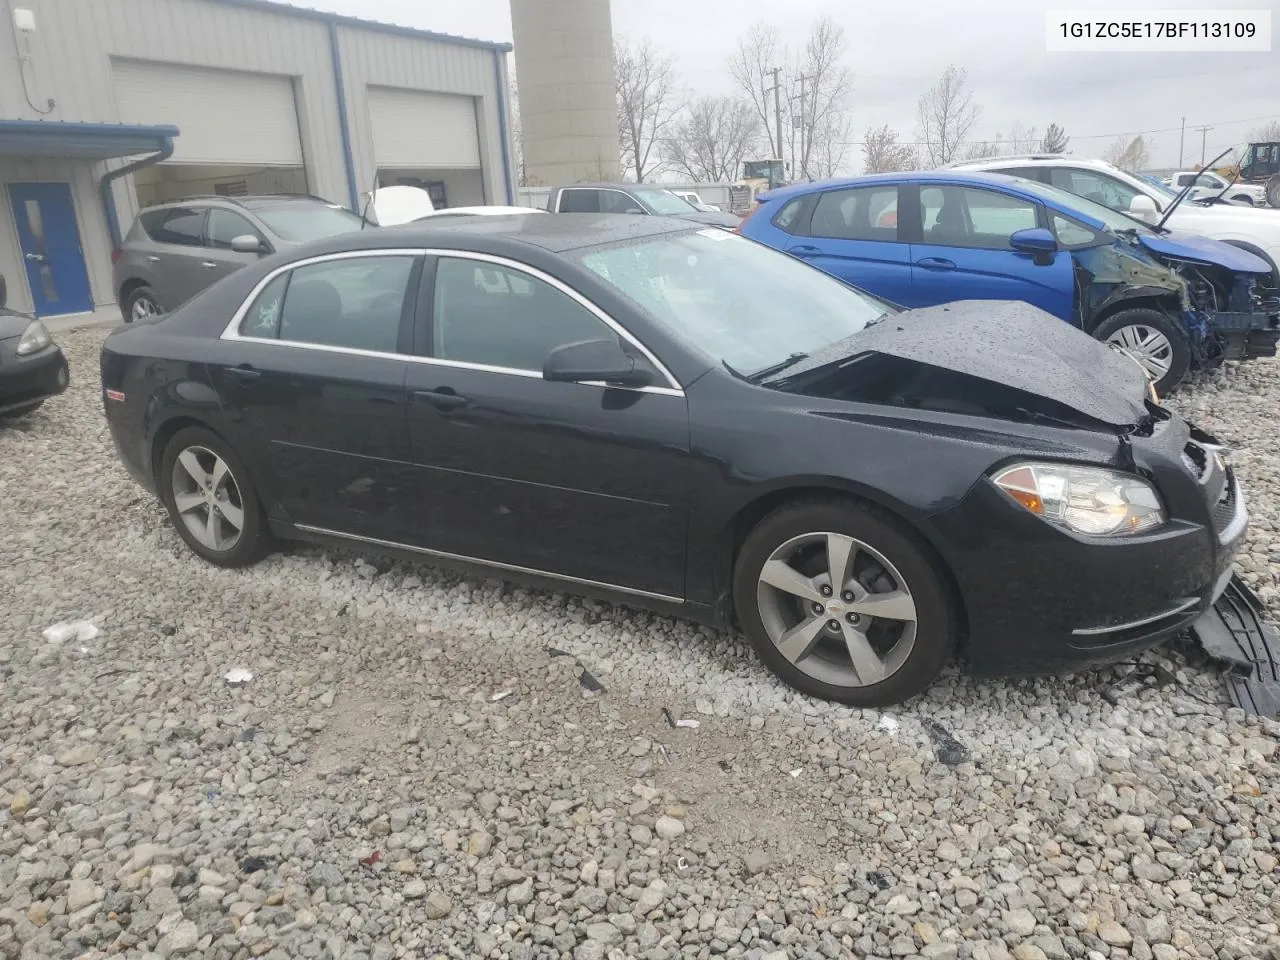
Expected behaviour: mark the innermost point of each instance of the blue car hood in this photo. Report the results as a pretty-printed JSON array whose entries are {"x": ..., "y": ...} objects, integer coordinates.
[{"x": 1190, "y": 246}]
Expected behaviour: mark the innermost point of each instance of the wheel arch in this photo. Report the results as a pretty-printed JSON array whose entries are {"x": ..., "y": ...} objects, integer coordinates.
[
  {"x": 168, "y": 430},
  {"x": 1167, "y": 303},
  {"x": 1261, "y": 254},
  {"x": 736, "y": 529}
]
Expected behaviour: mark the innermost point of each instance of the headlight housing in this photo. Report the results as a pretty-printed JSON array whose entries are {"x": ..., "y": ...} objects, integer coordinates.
[
  {"x": 1087, "y": 500},
  {"x": 35, "y": 337}
]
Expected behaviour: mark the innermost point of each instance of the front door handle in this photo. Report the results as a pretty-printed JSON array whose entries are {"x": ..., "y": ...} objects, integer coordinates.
[
  {"x": 805, "y": 250},
  {"x": 936, "y": 263},
  {"x": 208, "y": 264},
  {"x": 442, "y": 399},
  {"x": 244, "y": 372},
  {"x": 152, "y": 259}
]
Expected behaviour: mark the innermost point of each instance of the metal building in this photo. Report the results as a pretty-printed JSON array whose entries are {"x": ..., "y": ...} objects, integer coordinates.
[
  {"x": 568, "y": 110},
  {"x": 113, "y": 104}
]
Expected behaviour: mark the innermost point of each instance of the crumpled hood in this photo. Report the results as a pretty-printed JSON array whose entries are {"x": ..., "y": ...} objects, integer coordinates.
[
  {"x": 1012, "y": 344},
  {"x": 1192, "y": 246},
  {"x": 713, "y": 218}
]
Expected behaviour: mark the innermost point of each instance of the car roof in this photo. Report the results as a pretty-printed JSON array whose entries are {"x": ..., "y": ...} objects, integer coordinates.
[
  {"x": 1033, "y": 160},
  {"x": 248, "y": 202},
  {"x": 497, "y": 235},
  {"x": 617, "y": 185}
]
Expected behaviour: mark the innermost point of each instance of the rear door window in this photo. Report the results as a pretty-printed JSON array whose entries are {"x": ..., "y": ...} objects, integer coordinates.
[
  {"x": 579, "y": 201},
  {"x": 862, "y": 213},
  {"x": 181, "y": 226}
]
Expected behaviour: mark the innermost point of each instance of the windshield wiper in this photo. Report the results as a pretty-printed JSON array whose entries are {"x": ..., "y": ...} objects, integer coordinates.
[{"x": 762, "y": 375}]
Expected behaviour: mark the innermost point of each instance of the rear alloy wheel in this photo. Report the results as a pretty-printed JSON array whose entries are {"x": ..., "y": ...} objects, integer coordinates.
[
  {"x": 1154, "y": 340},
  {"x": 210, "y": 499},
  {"x": 841, "y": 603},
  {"x": 140, "y": 304}
]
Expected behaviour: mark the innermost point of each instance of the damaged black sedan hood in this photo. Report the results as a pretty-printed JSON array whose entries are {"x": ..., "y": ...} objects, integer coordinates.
[{"x": 988, "y": 357}]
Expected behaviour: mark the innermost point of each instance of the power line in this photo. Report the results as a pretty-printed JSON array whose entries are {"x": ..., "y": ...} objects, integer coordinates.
[{"x": 1087, "y": 136}]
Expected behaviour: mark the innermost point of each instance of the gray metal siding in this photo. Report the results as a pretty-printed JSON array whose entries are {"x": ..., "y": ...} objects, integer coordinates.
[{"x": 382, "y": 60}]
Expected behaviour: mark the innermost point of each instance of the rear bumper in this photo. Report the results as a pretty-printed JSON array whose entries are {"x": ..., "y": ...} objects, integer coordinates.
[{"x": 27, "y": 380}]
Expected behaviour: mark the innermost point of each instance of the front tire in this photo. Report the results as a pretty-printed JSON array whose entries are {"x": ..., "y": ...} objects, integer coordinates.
[
  {"x": 140, "y": 303},
  {"x": 1273, "y": 191},
  {"x": 876, "y": 633},
  {"x": 1154, "y": 339},
  {"x": 211, "y": 500}
]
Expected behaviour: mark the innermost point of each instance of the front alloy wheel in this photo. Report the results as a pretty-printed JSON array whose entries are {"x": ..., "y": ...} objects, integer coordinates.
[
  {"x": 1148, "y": 346},
  {"x": 842, "y": 602},
  {"x": 1154, "y": 339}
]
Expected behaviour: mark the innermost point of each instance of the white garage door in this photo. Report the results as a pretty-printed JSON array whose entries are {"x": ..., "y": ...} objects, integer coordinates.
[
  {"x": 412, "y": 129},
  {"x": 224, "y": 117}
]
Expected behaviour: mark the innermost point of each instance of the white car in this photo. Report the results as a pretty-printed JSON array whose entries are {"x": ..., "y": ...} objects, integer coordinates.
[
  {"x": 1256, "y": 229},
  {"x": 1209, "y": 184},
  {"x": 490, "y": 211},
  {"x": 691, "y": 197}
]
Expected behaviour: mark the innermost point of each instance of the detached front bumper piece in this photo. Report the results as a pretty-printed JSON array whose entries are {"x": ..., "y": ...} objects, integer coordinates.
[{"x": 1234, "y": 633}]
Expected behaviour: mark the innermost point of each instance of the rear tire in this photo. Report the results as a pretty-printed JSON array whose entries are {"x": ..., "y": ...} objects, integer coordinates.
[
  {"x": 140, "y": 303},
  {"x": 816, "y": 632},
  {"x": 1154, "y": 339},
  {"x": 211, "y": 500},
  {"x": 1273, "y": 191}
]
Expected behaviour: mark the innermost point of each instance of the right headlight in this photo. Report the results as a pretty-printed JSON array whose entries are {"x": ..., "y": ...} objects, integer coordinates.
[
  {"x": 1087, "y": 500},
  {"x": 35, "y": 337}
]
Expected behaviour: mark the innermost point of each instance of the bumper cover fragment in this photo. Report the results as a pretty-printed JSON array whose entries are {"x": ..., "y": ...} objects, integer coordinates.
[{"x": 1234, "y": 634}]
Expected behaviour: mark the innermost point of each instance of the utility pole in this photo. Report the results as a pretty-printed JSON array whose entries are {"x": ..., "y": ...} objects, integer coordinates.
[
  {"x": 777, "y": 109},
  {"x": 804, "y": 150},
  {"x": 1203, "y": 131},
  {"x": 1181, "y": 138}
]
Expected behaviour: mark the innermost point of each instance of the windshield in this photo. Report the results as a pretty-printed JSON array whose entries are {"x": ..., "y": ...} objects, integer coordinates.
[
  {"x": 734, "y": 300},
  {"x": 662, "y": 201},
  {"x": 299, "y": 222},
  {"x": 1073, "y": 201}
]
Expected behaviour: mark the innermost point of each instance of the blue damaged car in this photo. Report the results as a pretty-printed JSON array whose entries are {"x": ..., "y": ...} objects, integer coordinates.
[{"x": 1174, "y": 301}]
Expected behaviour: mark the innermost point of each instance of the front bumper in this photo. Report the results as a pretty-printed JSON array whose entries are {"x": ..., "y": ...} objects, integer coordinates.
[
  {"x": 29, "y": 379},
  {"x": 1040, "y": 601}
]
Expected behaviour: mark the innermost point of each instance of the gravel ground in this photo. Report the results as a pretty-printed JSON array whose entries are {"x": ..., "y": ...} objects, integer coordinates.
[{"x": 370, "y": 793}]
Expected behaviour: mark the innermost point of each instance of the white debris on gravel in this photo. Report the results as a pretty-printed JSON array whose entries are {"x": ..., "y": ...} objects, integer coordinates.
[{"x": 367, "y": 797}]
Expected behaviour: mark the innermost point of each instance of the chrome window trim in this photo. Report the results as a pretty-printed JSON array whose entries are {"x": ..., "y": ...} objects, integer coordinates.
[
  {"x": 494, "y": 564},
  {"x": 232, "y": 329}
]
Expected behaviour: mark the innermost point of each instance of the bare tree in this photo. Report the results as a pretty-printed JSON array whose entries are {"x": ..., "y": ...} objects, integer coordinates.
[
  {"x": 1023, "y": 139},
  {"x": 1055, "y": 139},
  {"x": 751, "y": 67},
  {"x": 712, "y": 138},
  {"x": 946, "y": 113},
  {"x": 647, "y": 103},
  {"x": 882, "y": 153},
  {"x": 1129, "y": 154},
  {"x": 821, "y": 112},
  {"x": 982, "y": 149},
  {"x": 1267, "y": 133}
]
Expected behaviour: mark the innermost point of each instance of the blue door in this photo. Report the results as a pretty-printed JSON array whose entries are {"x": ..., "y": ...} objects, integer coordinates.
[
  {"x": 964, "y": 252},
  {"x": 853, "y": 235},
  {"x": 49, "y": 241}
]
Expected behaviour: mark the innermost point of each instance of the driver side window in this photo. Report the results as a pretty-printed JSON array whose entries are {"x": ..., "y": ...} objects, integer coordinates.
[
  {"x": 493, "y": 315},
  {"x": 355, "y": 303}
]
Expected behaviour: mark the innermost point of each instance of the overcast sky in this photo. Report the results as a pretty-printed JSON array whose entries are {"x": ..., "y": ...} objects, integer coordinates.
[{"x": 897, "y": 49}]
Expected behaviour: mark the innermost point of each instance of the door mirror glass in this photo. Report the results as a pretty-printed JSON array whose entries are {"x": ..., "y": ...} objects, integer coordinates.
[
  {"x": 595, "y": 361},
  {"x": 1143, "y": 207},
  {"x": 1034, "y": 240},
  {"x": 246, "y": 243}
]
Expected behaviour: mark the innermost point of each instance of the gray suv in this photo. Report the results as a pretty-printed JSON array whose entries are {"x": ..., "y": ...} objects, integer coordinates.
[{"x": 174, "y": 250}]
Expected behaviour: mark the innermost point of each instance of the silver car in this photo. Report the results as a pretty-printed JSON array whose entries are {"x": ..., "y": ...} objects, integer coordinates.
[{"x": 174, "y": 250}]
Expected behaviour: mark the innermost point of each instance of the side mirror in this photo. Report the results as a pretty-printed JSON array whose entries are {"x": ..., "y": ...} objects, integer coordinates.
[
  {"x": 634, "y": 210},
  {"x": 1143, "y": 207},
  {"x": 4, "y": 291},
  {"x": 247, "y": 243},
  {"x": 1037, "y": 241},
  {"x": 590, "y": 361}
]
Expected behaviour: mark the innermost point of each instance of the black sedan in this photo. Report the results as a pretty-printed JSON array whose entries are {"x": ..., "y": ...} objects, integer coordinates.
[
  {"x": 32, "y": 368},
  {"x": 680, "y": 418}
]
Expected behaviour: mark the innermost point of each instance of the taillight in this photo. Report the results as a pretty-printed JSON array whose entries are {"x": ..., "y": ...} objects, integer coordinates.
[{"x": 115, "y": 254}]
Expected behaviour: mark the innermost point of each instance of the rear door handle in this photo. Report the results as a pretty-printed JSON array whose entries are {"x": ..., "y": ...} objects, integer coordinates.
[
  {"x": 151, "y": 258},
  {"x": 244, "y": 372},
  {"x": 442, "y": 399},
  {"x": 208, "y": 264},
  {"x": 936, "y": 263}
]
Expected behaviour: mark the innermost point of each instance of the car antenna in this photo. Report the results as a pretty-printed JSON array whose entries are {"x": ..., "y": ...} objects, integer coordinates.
[{"x": 1187, "y": 189}]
